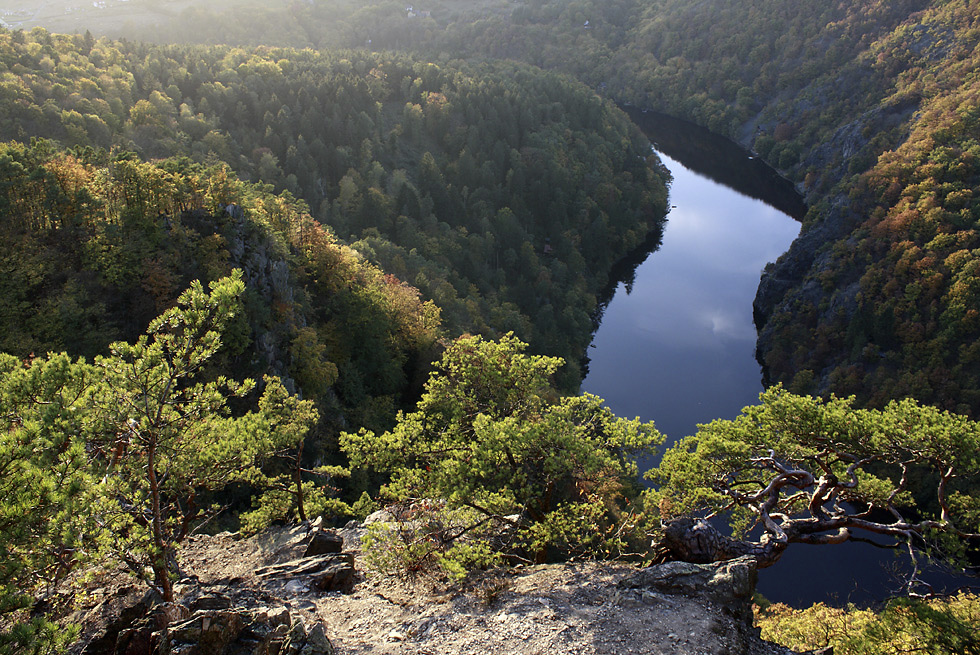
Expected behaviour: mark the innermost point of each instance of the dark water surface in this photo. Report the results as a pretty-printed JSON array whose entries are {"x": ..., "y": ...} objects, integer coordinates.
[{"x": 677, "y": 345}]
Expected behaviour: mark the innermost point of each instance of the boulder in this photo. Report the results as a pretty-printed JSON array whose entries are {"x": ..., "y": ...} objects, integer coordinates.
[
  {"x": 209, "y": 600},
  {"x": 207, "y": 631},
  {"x": 380, "y": 516},
  {"x": 304, "y": 566},
  {"x": 122, "y": 619},
  {"x": 323, "y": 573},
  {"x": 324, "y": 542},
  {"x": 729, "y": 584},
  {"x": 317, "y": 642},
  {"x": 238, "y": 631},
  {"x": 336, "y": 577}
]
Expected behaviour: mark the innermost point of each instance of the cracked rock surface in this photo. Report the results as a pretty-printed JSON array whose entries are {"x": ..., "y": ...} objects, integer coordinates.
[{"x": 585, "y": 608}]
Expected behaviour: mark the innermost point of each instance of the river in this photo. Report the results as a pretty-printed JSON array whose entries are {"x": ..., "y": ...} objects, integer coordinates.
[{"x": 677, "y": 345}]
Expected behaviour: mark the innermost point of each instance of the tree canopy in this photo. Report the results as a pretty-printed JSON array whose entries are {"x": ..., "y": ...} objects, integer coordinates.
[
  {"x": 116, "y": 460},
  {"x": 492, "y": 442},
  {"x": 396, "y": 195},
  {"x": 46, "y": 487},
  {"x": 169, "y": 437},
  {"x": 451, "y": 177},
  {"x": 809, "y": 471}
]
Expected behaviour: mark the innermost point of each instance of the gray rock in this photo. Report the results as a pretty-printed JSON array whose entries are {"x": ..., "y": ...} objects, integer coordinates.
[
  {"x": 317, "y": 642},
  {"x": 206, "y": 632},
  {"x": 296, "y": 587},
  {"x": 304, "y": 566},
  {"x": 336, "y": 577},
  {"x": 381, "y": 516},
  {"x": 729, "y": 584},
  {"x": 210, "y": 600},
  {"x": 237, "y": 631},
  {"x": 324, "y": 542}
]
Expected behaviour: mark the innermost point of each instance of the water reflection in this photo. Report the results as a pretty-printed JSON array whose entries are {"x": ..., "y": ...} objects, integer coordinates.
[
  {"x": 724, "y": 162},
  {"x": 680, "y": 347}
]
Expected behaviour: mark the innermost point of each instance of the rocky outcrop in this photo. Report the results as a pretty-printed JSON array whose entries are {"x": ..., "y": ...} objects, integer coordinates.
[
  {"x": 324, "y": 542},
  {"x": 324, "y": 573},
  {"x": 172, "y": 629},
  {"x": 228, "y": 615},
  {"x": 729, "y": 584},
  {"x": 266, "y": 273},
  {"x": 258, "y": 596},
  {"x": 803, "y": 257},
  {"x": 264, "y": 631}
]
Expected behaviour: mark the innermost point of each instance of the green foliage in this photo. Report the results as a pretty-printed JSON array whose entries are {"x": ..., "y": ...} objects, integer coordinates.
[
  {"x": 790, "y": 464},
  {"x": 119, "y": 457},
  {"x": 450, "y": 177},
  {"x": 314, "y": 374},
  {"x": 279, "y": 503},
  {"x": 45, "y": 491},
  {"x": 324, "y": 314},
  {"x": 116, "y": 458},
  {"x": 430, "y": 539},
  {"x": 290, "y": 492},
  {"x": 905, "y": 625},
  {"x": 491, "y": 437},
  {"x": 36, "y": 637},
  {"x": 865, "y": 104},
  {"x": 171, "y": 438},
  {"x": 364, "y": 506}
]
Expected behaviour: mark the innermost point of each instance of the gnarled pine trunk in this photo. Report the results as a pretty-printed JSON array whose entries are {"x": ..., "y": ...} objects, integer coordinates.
[{"x": 697, "y": 541}]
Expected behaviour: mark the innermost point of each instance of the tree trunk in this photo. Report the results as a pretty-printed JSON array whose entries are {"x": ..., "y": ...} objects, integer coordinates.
[
  {"x": 298, "y": 479},
  {"x": 698, "y": 542},
  {"x": 158, "y": 559}
]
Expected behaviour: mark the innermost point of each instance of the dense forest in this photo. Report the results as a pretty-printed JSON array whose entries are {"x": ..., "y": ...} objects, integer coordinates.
[
  {"x": 868, "y": 107},
  {"x": 95, "y": 246},
  {"x": 865, "y": 105},
  {"x": 502, "y": 193},
  {"x": 370, "y": 182}
]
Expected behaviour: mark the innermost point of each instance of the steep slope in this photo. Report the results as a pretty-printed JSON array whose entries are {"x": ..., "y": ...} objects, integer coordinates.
[
  {"x": 870, "y": 108},
  {"x": 95, "y": 246}
]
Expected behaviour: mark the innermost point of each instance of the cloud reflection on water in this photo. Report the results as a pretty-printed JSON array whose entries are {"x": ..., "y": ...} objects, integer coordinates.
[{"x": 680, "y": 348}]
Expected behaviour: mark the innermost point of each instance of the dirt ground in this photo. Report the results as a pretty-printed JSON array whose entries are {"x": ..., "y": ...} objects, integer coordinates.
[{"x": 549, "y": 609}]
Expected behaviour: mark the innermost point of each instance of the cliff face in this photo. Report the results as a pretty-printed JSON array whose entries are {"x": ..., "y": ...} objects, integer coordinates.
[{"x": 794, "y": 279}]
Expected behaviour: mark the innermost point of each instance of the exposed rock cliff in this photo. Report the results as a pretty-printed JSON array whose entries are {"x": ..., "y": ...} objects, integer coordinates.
[{"x": 266, "y": 595}]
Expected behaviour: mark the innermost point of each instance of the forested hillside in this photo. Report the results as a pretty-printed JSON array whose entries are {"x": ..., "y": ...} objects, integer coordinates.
[
  {"x": 866, "y": 105},
  {"x": 502, "y": 193},
  {"x": 870, "y": 107},
  {"x": 94, "y": 246},
  {"x": 378, "y": 203}
]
